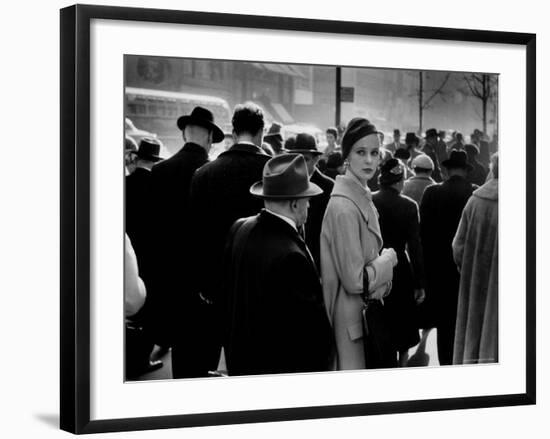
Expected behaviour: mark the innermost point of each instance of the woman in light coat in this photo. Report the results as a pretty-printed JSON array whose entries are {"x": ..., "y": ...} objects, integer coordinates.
[{"x": 351, "y": 263}]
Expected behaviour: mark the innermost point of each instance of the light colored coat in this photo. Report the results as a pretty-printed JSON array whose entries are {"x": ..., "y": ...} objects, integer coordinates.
[
  {"x": 350, "y": 239},
  {"x": 475, "y": 250}
]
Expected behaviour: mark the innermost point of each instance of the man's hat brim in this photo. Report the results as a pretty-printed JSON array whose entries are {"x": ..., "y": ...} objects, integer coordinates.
[
  {"x": 152, "y": 158},
  {"x": 301, "y": 151},
  {"x": 218, "y": 134},
  {"x": 257, "y": 189}
]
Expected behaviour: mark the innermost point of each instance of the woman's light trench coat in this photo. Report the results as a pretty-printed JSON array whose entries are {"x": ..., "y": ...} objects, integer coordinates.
[{"x": 350, "y": 239}]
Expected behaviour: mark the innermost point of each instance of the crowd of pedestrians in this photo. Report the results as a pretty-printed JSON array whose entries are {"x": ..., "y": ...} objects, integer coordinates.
[{"x": 268, "y": 254}]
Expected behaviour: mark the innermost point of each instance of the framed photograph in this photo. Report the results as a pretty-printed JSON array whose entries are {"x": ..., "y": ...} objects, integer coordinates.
[{"x": 141, "y": 77}]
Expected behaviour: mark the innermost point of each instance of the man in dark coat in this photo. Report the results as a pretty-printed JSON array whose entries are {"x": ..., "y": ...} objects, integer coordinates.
[
  {"x": 399, "y": 224},
  {"x": 440, "y": 212},
  {"x": 176, "y": 301},
  {"x": 306, "y": 145},
  {"x": 219, "y": 196},
  {"x": 275, "y": 314},
  {"x": 478, "y": 139},
  {"x": 432, "y": 149},
  {"x": 138, "y": 201},
  {"x": 478, "y": 174},
  {"x": 139, "y": 334}
]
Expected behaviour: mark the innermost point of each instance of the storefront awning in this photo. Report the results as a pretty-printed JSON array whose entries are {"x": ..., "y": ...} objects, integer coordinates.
[{"x": 283, "y": 69}]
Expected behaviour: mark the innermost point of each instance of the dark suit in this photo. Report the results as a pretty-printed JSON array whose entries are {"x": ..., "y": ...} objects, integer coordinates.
[
  {"x": 220, "y": 194},
  {"x": 440, "y": 212},
  {"x": 399, "y": 224},
  {"x": 317, "y": 207},
  {"x": 275, "y": 313},
  {"x": 138, "y": 227},
  {"x": 175, "y": 299}
]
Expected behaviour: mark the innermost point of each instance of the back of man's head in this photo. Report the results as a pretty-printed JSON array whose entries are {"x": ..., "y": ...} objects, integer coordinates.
[
  {"x": 199, "y": 135},
  {"x": 248, "y": 118}
]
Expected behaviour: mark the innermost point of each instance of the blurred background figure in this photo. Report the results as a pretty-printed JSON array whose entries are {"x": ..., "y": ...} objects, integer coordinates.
[
  {"x": 478, "y": 174},
  {"x": 396, "y": 144},
  {"x": 475, "y": 251},
  {"x": 274, "y": 138},
  {"x": 130, "y": 147},
  {"x": 335, "y": 165},
  {"x": 436, "y": 150},
  {"x": 479, "y": 139},
  {"x": 422, "y": 166}
]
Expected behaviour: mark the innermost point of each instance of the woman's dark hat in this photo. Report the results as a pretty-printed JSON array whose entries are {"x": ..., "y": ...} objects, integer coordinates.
[
  {"x": 391, "y": 172},
  {"x": 411, "y": 138},
  {"x": 357, "y": 128},
  {"x": 149, "y": 149},
  {"x": 285, "y": 177},
  {"x": 402, "y": 153},
  {"x": 457, "y": 159},
  {"x": 303, "y": 143},
  {"x": 204, "y": 118}
]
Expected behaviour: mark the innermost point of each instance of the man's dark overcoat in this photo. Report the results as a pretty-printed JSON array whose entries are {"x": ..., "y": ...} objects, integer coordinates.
[
  {"x": 220, "y": 194},
  {"x": 317, "y": 207},
  {"x": 275, "y": 313},
  {"x": 138, "y": 224},
  {"x": 173, "y": 294},
  {"x": 440, "y": 212},
  {"x": 399, "y": 224}
]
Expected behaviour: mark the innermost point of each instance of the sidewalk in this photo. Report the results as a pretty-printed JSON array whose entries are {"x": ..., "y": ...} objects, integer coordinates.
[{"x": 424, "y": 354}]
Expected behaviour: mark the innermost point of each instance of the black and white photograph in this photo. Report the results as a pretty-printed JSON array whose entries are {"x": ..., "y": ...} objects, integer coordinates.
[{"x": 296, "y": 218}]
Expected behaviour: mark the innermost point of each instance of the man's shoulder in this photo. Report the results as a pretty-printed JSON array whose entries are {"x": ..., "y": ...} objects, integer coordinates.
[{"x": 322, "y": 180}]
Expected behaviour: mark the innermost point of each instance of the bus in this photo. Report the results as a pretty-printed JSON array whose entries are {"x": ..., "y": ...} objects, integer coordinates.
[{"x": 157, "y": 111}]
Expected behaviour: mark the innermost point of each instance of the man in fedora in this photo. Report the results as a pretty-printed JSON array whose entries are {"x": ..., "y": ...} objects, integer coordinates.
[
  {"x": 138, "y": 228},
  {"x": 219, "y": 196},
  {"x": 174, "y": 294},
  {"x": 138, "y": 200},
  {"x": 274, "y": 138},
  {"x": 275, "y": 314},
  {"x": 436, "y": 145},
  {"x": 306, "y": 145},
  {"x": 396, "y": 144},
  {"x": 440, "y": 211}
]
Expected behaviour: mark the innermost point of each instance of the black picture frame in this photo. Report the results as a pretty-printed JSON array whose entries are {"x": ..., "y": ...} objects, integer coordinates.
[{"x": 75, "y": 217}]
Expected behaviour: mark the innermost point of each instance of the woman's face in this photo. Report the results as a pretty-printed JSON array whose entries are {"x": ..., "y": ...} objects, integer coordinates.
[{"x": 364, "y": 157}]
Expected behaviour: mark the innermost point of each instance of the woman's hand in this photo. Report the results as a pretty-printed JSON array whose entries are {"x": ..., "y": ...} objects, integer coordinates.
[
  {"x": 390, "y": 255},
  {"x": 381, "y": 292}
]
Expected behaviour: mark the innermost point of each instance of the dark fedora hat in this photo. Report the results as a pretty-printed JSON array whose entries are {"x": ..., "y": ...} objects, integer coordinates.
[
  {"x": 149, "y": 149},
  {"x": 402, "y": 153},
  {"x": 432, "y": 132},
  {"x": 204, "y": 118},
  {"x": 275, "y": 131},
  {"x": 303, "y": 142},
  {"x": 285, "y": 177},
  {"x": 457, "y": 159},
  {"x": 411, "y": 138}
]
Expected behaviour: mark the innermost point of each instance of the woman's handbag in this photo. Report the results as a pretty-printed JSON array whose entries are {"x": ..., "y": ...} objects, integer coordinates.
[{"x": 377, "y": 340}]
